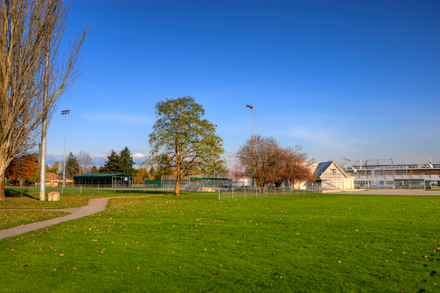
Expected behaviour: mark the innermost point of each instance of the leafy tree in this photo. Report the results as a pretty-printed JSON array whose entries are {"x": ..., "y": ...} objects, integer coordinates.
[
  {"x": 291, "y": 166},
  {"x": 163, "y": 167},
  {"x": 152, "y": 172},
  {"x": 55, "y": 168},
  {"x": 30, "y": 35},
  {"x": 266, "y": 162},
  {"x": 143, "y": 174},
  {"x": 215, "y": 168},
  {"x": 181, "y": 135},
  {"x": 94, "y": 170},
  {"x": 23, "y": 168},
  {"x": 112, "y": 164},
  {"x": 72, "y": 166},
  {"x": 126, "y": 161}
]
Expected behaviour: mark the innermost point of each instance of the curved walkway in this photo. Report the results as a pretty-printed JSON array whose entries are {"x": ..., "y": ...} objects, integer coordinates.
[{"x": 94, "y": 206}]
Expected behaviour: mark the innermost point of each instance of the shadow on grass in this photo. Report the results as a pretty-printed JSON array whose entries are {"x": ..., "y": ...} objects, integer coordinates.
[{"x": 15, "y": 193}]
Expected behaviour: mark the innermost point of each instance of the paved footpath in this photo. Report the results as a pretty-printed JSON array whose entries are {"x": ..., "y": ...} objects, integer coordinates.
[{"x": 95, "y": 205}]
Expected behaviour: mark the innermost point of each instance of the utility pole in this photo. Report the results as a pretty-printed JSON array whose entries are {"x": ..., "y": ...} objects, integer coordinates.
[{"x": 65, "y": 112}]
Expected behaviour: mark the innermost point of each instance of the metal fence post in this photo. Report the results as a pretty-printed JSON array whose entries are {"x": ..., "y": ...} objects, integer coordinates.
[
  {"x": 245, "y": 193},
  {"x": 232, "y": 193},
  {"x": 275, "y": 191},
  {"x": 266, "y": 189},
  {"x": 62, "y": 189},
  {"x": 219, "y": 191},
  {"x": 81, "y": 189}
]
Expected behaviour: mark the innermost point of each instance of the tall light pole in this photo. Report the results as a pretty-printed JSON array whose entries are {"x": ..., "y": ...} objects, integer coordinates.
[
  {"x": 252, "y": 117},
  {"x": 65, "y": 112},
  {"x": 42, "y": 150}
]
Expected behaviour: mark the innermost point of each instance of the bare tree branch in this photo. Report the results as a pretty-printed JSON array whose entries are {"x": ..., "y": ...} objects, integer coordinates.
[{"x": 29, "y": 31}]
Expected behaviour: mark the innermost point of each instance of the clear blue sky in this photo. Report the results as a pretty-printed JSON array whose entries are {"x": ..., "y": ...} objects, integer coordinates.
[{"x": 355, "y": 79}]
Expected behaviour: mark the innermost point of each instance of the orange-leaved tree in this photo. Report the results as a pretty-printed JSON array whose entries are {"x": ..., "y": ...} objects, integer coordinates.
[{"x": 23, "y": 168}]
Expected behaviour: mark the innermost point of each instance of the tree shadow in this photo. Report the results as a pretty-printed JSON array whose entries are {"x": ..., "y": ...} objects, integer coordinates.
[{"x": 14, "y": 194}]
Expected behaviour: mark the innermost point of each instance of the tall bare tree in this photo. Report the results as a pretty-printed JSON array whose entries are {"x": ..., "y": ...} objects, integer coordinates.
[
  {"x": 30, "y": 34},
  {"x": 85, "y": 161},
  {"x": 258, "y": 156}
]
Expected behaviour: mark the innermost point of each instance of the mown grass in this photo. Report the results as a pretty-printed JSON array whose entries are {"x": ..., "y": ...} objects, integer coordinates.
[
  {"x": 73, "y": 197},
  {"x": 10, "y": 219},
  {"x": 291, "y": 243}
]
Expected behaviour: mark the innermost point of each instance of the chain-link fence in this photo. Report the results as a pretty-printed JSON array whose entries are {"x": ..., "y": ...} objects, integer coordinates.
[
  {"x": 233, "y": 193},
  {"x": 223, "y": 193}
]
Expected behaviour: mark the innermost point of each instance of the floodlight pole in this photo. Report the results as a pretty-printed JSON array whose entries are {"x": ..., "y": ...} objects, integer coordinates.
[
  {"x": 252, "y": 117},
  {"x": 65, "y": 112},
  {"x": 252, "y": 125},
  {"x": 42, "y": 154}
]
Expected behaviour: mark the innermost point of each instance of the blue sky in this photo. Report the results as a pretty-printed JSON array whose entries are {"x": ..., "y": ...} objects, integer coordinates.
[{"x": 355, "y": 79}]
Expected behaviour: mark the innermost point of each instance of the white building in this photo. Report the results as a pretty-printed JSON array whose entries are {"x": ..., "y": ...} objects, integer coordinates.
[
  {"x": 394, "y": 176},
  {"x": 329, "y": 176}
]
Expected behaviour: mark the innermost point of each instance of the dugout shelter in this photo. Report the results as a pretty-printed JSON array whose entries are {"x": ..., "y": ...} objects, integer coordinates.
[{"x": 112, "y": 180}]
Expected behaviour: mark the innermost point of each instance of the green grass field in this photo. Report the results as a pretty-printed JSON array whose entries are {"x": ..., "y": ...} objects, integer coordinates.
[
  {"x": 72, "y": 197},
  {"x": 10, "y": 219},
  {"x": 291, "y": 243}
]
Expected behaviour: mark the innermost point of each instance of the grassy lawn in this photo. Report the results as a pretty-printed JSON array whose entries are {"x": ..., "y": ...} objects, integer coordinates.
[
  {"x": 72, "y": 197},
  {"x": 291, "y": 243},
  {"x": 10, "y": 219}
]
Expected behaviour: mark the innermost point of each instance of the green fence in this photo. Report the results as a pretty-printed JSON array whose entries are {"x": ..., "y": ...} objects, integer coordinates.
[{"x": 153, "y": 183}]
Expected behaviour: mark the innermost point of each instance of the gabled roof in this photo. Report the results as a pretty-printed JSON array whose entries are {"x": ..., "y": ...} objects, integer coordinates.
[
  {"x": 53, "y": 176},
  {"x": 321, "y": 168}
]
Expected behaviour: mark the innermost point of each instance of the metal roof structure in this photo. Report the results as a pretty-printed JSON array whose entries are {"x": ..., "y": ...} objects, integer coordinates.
[
  {"x": 207, "y": 178},
  {"x": 321, "y": 168},
  {"x": 101, "y": 175}
]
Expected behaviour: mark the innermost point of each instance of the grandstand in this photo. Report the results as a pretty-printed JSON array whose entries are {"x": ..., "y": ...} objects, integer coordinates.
[{"x": 375, "y": 174}]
